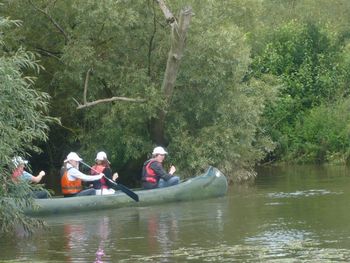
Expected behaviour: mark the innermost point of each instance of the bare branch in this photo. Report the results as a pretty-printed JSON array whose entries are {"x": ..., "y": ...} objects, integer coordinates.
[
  {"x": 170, "y": 18},
  {"x": 92, "y": 103},
  {"x": 86, "y": 84},
  {"x": 53, "y": 21}
]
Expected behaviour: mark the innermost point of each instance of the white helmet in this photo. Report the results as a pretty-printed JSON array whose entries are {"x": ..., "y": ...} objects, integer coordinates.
[
  {"x": 18, "y": 160},
  {"x": 72, "y": 156},
  {"x": 159, "y": 150},
  {"x": 101, "y": 156}
]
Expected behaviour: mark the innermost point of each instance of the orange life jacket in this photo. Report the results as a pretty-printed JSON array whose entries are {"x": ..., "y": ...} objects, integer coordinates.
[{"x": 70, "y": 187}]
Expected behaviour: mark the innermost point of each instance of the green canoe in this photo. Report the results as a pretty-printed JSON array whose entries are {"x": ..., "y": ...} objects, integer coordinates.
[{"x": 210, "y": 184}]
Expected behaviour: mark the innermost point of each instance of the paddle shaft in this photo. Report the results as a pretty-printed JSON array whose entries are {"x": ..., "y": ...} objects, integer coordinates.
[{"x": 121, "y": 187}]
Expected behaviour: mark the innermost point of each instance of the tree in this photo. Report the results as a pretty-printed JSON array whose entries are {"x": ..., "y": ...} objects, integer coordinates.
[
  {"x": 120, "y": 49},
  {"x": 23, "y": 120}
]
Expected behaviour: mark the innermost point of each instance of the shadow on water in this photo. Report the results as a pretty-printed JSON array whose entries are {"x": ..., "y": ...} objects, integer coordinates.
[{"x": 291, "y": 214}]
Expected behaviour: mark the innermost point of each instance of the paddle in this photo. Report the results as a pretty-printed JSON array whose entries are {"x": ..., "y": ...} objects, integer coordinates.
[{"x": 120, "y": 187}]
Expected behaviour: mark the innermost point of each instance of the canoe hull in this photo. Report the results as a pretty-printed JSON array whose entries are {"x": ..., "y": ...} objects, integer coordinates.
[{"x": 208, "y": 185}]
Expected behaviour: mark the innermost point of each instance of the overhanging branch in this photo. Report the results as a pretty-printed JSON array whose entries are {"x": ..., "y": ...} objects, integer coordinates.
[{"x": 92, "y": 103}]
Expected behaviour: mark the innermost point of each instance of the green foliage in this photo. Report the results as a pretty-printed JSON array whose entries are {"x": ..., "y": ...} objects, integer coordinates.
[
  {"x": 323, "y": 135},
  {"x": 307, "y": 62},
  {"x": 238, "y": 53},
  {"x": 23, "y": 120},
  {"x": 214, "y": 115}
]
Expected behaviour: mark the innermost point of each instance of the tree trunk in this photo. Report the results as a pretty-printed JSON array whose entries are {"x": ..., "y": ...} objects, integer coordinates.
[{"x": 178, "y": 41}]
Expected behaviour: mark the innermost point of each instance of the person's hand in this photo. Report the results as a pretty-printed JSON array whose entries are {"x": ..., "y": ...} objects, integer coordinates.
[
  {"x": 172, "y": 170},
  {"x": 115, "y": 176},
  {"x": 42, "y": 173}
]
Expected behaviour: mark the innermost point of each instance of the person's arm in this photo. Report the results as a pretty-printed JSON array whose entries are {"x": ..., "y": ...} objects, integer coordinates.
[
  {"x": 108, "y": 173},
  {"x": 31, "y": 178},
  {"x": 159, "y": 170},
  {"x": 88, "y": 178},
  {"x": 37, "y": 179}
]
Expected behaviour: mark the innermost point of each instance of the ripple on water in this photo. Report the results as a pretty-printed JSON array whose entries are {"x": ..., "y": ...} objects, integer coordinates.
[
  {"x": 274, "y": 245},
  {"x": 296, "y": 251},
  {"x": 302, "y": 194}
]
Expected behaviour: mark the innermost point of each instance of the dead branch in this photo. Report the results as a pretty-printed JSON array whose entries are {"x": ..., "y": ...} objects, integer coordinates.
[
  {"x": 86, "y": 84},
  {"x": 92, "y": 103},
  {"x": 170, "y": 18}
]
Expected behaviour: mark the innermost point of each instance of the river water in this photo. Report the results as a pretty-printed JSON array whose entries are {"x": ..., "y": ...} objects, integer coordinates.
[{"x": 290, "y": 214}]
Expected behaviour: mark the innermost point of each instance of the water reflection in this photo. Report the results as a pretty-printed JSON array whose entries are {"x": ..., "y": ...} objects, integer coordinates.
[
  {"x": 78, "y": 238},
  {"x": 173, "y": 232},
  {"x": 162, "y": 232}
]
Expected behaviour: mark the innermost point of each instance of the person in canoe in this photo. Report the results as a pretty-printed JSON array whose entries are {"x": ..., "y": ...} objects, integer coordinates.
[
  {"x": 102, "y": 165},
  {"x": 71, "y": 181},
  {"x": 20, "y": 174},
  {"x": 153, "y": 173}
]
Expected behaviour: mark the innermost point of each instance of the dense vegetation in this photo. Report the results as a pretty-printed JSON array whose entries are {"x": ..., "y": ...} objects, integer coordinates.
[
  {"x": 23, "y": 119},
  {"x": 259, "y": 81}
]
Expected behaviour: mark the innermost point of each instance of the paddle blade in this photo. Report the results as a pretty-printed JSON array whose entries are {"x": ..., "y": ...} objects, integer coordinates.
[{"x": 127, "y": 191}]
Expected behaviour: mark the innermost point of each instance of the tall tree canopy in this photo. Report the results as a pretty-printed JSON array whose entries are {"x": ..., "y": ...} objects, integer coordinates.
[{"x": 119, "y": 49}]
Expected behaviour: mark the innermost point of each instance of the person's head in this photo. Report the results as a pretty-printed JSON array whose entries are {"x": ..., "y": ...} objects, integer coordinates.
[
  {"x": 101, "y": 158},
  {"x": 73, "y": 159},
  {"x": 19, "y": 162},
  {"x": 159, "y": 153}
]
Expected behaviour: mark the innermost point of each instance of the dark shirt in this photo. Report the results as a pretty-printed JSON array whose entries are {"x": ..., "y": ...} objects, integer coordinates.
[
  {"x": 157, "y": 167},
  {"x": 108, "y": 173}
]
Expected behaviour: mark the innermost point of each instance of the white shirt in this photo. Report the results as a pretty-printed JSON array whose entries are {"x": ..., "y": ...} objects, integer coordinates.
[{"x": 74, "y": 173}]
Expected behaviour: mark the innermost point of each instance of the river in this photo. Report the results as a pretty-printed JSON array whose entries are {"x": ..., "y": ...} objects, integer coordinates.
[{"x": 290, "y": 214}]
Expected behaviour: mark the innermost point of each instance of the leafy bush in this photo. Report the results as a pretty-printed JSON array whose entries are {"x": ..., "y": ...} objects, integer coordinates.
[
  {"x": 23, "y": 120},
  {"x": 323, "y": 135},
  {"x": 306, "y": 60}
]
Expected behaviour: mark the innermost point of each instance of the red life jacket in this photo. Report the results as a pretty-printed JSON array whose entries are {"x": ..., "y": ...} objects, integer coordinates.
[
  {"x": 17, "y": 173},
  {"x": 97, "y": 169},
  {"x": 150, "y": 175}
]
